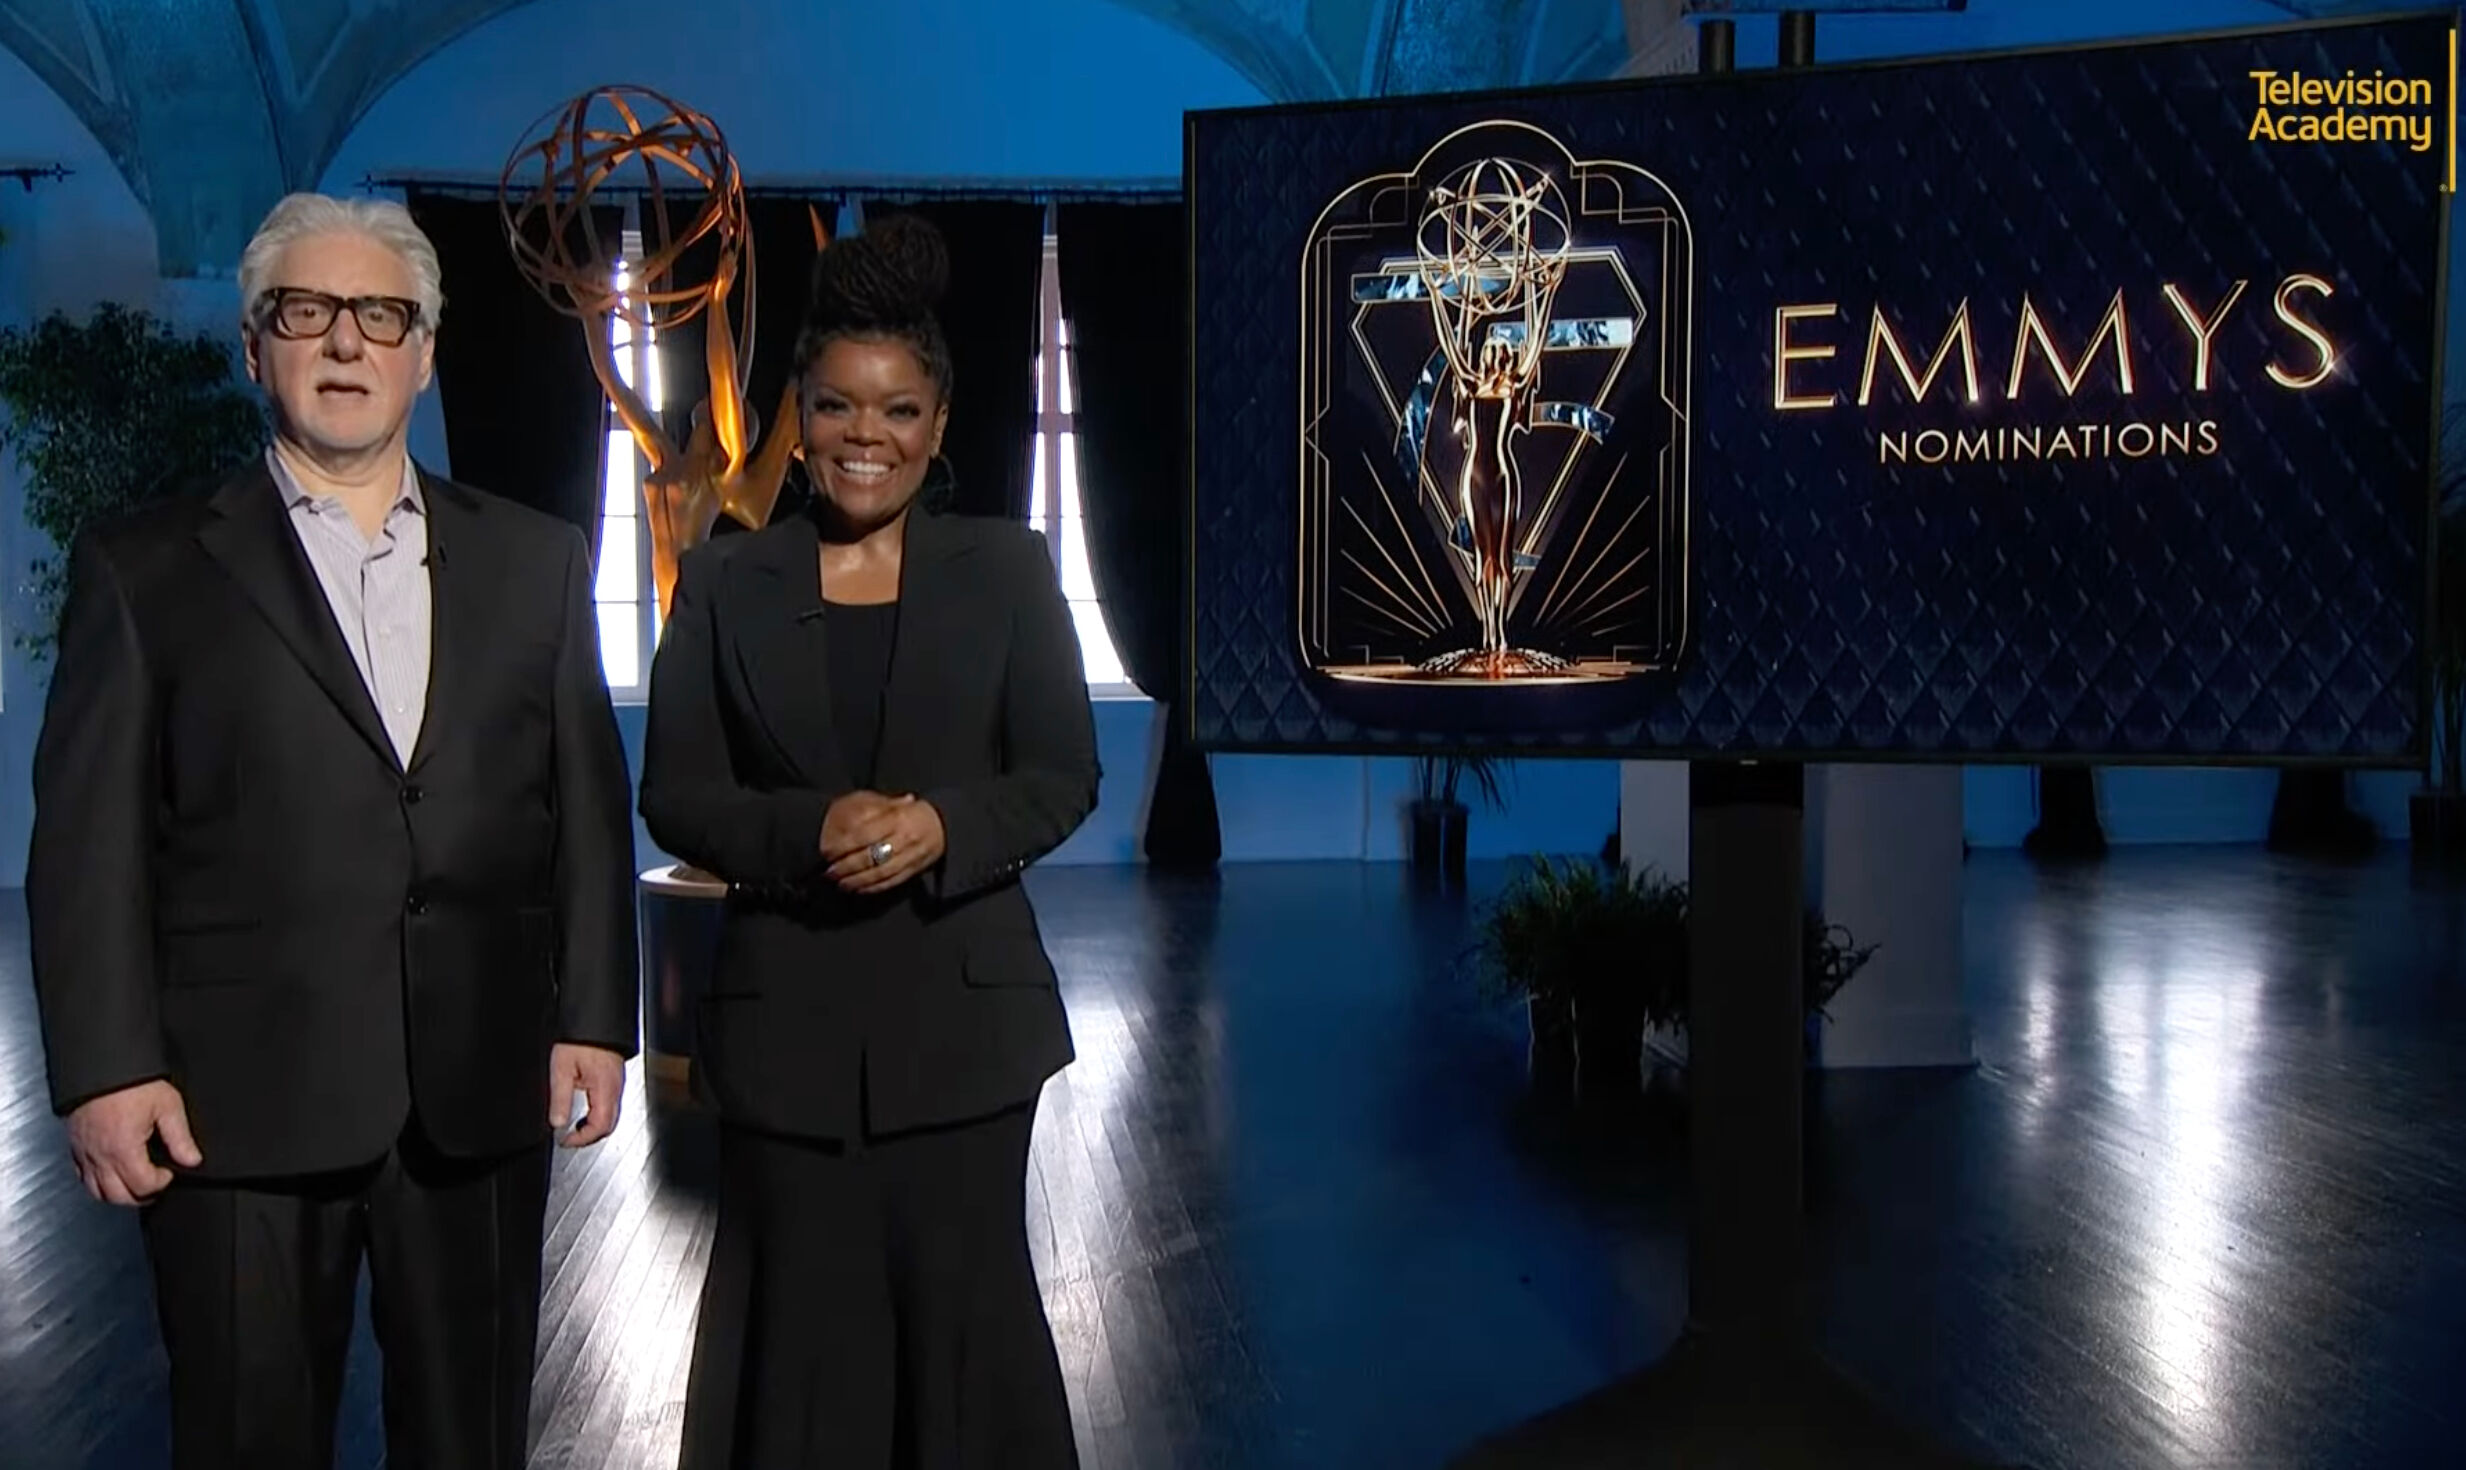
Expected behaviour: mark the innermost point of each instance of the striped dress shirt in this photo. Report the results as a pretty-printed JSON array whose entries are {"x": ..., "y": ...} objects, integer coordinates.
[{"x": 377, "y": 588}]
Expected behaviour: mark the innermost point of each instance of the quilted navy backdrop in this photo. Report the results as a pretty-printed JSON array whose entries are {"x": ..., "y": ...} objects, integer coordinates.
[{"x": 2259, "y": 603}]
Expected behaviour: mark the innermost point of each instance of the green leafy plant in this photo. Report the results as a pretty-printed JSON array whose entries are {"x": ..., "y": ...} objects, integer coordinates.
[
  {"x": 1566, "y": 929},
  {"x": 1439, "y": 777},
  {"x": 105, "y": 414}
]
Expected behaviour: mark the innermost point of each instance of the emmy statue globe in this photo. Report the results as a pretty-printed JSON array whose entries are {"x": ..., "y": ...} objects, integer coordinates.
[{"x": 604, "y": 139}]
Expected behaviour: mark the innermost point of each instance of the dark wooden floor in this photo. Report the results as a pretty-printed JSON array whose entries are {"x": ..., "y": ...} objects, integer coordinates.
[{"x": 2203, "y": 1204}]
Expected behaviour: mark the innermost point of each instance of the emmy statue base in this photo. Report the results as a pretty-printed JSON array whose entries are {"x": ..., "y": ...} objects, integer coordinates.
[{"x": 680, "y": 910}]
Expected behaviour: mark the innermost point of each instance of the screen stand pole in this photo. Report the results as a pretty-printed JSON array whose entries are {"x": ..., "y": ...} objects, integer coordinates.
[
  {"x": 1746, "y": 1054},
  {"x": 1743, "y": 1386}
]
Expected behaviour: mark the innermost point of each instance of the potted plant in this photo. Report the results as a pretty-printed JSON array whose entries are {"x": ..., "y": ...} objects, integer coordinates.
[
  {"x": 1599, "y": 955},
  {"x": 1833, "y": 957},
  {"x": 1439, "y": 816},
  {"x": 2436, "y": 814},
  {"x": 1594, "y": 953},
  {"x": 1830, "y": 958},
  {"x": 107, "y": 413}
]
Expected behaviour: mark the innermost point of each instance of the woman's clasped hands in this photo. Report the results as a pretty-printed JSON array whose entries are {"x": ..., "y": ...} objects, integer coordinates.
[{"x": 874, "y": 842}]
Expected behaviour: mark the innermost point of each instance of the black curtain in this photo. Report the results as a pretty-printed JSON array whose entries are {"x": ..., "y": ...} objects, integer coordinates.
[
  {"x": 2310, "y": 816},
  {"x": 1124, "y": 279},
  {"x": 997, "y": 259},
  {"x": 781, "y": 229},
  {"x": 524, "y": 414},
  {"x": 2068, "y": 821}
]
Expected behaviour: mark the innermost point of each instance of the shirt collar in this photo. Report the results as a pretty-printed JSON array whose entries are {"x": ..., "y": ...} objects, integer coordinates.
[{"x": 410, "y": 498}]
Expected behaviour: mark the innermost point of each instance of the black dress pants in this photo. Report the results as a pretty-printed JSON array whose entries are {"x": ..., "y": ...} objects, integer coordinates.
[
  {"x": 254, "y": 1284},
  {"x": 873, "y": 1306}
]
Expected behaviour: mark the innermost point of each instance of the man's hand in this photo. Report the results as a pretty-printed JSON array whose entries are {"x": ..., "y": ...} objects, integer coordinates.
[
  {"x": 912, "y": 828},
  {"x": 595, "y": 1072},
  {"x": 108, "y": 1136}
]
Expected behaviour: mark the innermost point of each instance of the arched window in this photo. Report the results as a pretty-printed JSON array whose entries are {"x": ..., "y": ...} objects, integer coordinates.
[
  {"x": 629, "y": 610},
  {"x": 628, "y": 607},
  {"x": 1053, "y": 501}
]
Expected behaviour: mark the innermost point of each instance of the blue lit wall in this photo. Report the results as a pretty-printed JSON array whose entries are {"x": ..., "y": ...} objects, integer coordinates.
[{"x": 1065, "y": 89}]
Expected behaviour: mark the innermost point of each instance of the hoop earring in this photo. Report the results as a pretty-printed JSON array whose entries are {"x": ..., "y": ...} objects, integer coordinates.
[{"x": 941, "y": 484}]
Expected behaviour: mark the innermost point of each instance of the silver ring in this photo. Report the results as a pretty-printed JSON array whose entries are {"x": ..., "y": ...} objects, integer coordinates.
[{"x": 880, "y": 852}]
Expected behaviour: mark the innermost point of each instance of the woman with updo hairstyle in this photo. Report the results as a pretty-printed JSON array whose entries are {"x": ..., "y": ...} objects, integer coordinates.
[{"x": 868, "y": 719}]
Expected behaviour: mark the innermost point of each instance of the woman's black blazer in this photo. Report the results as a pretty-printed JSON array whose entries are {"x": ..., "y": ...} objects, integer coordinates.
[{"x": 835, "y": 1017}]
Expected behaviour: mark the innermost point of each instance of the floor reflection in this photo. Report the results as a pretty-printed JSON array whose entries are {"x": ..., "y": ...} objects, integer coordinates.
[{"x": 2202, "y": 1203}]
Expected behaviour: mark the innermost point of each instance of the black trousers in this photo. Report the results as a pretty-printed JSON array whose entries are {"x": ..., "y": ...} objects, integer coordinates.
[
  {"x": 254, "y": 1284},
  {"x": 873, "y": 1306}
]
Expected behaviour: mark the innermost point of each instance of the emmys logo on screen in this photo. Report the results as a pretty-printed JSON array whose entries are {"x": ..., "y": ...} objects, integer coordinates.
[
  {"x": 1493, "y": 451},
  {"x": 2293, "y": 108},
  {"x": 2049, "y": 404}
]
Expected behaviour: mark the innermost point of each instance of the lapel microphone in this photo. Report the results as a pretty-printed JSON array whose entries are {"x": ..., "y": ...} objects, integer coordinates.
[{"x": 810, "y": 615}]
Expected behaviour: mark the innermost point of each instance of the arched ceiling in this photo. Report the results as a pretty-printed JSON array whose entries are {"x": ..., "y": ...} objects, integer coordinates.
[
  {"x": 2331, "y": 9},
  {"x": 214, "y": 108},
  {"x": 1306, "y": 50}
]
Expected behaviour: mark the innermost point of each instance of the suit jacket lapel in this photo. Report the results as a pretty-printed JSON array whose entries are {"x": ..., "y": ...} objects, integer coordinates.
[
  {"x": 456, "y": 614},
  {"x": 932, "y": 603},
  {"x": 782, "y": 650},
  {"x": 250, "y": 535}
]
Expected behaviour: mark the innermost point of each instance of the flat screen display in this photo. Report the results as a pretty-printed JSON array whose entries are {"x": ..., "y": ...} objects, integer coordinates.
[{"x": 2059, "y": 405}]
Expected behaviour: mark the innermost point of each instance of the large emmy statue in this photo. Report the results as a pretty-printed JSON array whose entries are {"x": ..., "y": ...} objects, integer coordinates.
[
  {"x": 545, "y": 196},
  {"x": 1492, "y": 247}
]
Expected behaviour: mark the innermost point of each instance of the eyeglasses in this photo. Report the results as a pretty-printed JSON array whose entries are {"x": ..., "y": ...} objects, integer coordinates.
[{"x": 301, "y": 315}]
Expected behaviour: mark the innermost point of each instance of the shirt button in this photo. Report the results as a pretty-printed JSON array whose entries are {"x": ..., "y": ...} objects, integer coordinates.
[{"x": 415, "y": 905}]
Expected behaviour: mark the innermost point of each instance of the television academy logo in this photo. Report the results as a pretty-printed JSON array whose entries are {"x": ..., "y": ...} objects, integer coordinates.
[{"x": 2290, "y": 107}]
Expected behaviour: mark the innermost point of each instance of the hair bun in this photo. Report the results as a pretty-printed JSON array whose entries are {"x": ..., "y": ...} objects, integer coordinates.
[{"x": 891, "y": 275}]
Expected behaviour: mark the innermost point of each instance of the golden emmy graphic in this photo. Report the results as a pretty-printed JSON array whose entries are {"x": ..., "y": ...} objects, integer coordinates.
[
  {"x": 546, "y": 196},
  {"x": 1494, "y": 441},
  {"x": 1492, "y": 250}
]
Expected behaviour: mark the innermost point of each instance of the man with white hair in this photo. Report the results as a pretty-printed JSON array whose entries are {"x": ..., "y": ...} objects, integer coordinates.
[{"x": 330, "y": 888}]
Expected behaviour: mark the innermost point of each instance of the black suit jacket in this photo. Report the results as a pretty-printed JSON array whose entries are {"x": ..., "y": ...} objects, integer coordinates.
[
  {"x": 235, "y": 884},
  {"x": 834, "y": 1017}
]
